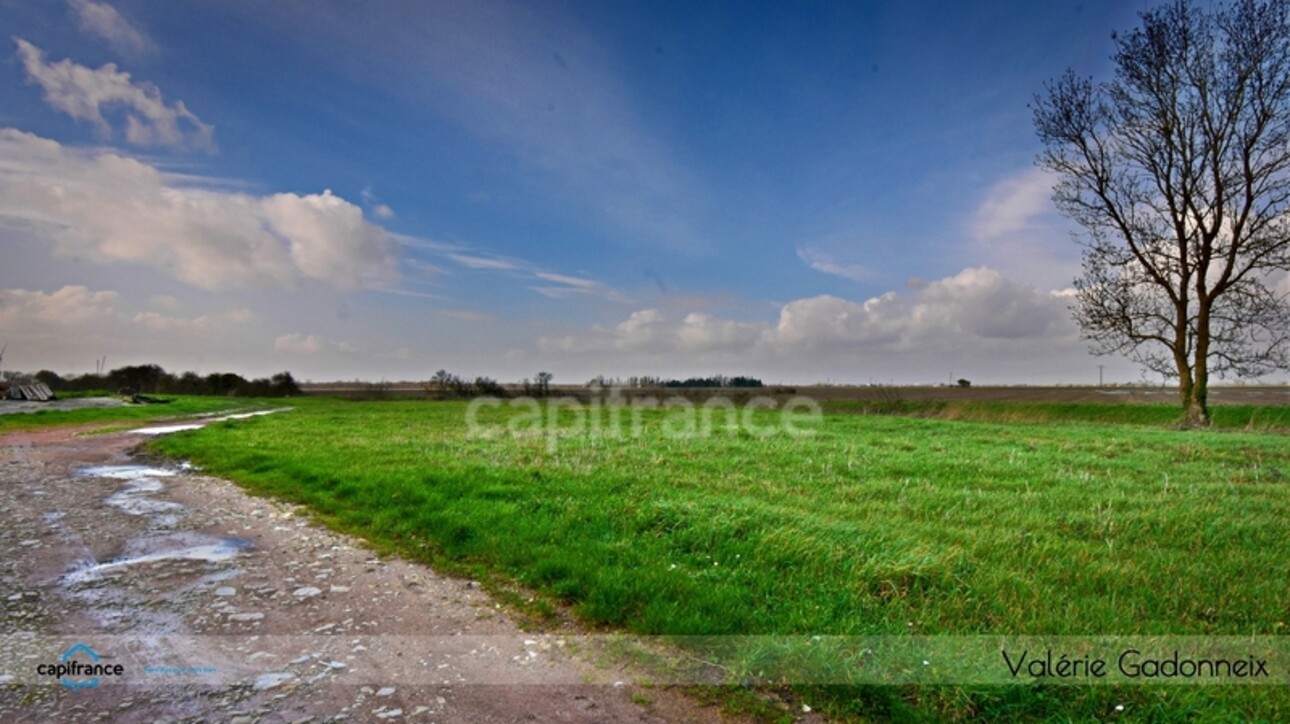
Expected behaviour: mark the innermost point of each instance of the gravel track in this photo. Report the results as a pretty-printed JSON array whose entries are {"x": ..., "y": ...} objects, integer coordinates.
[{"x": 225, "y": 607}]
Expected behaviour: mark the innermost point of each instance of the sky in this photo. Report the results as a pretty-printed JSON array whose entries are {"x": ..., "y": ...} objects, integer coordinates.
[{"x": 803, "y": 192}]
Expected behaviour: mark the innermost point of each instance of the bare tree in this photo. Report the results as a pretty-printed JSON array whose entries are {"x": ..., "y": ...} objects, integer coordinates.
[
  {"x": 1178, "y": 171},
  {"x": 443, "y": 380},
  {"x": 543, "y": 383}
]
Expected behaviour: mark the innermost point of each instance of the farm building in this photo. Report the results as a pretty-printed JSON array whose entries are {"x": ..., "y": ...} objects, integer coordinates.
[{"x": 36, "y": 392}]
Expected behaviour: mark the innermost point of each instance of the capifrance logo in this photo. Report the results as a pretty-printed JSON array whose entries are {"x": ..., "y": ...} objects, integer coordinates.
[
  {"x": 610, "y": 414},
  {"x": 80, "y": 667}
]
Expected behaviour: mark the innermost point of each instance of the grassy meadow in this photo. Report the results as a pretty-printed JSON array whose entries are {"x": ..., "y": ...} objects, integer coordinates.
[{"x": 1047, "y": 523}]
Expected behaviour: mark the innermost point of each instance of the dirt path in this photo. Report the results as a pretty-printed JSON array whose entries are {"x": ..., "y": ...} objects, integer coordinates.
[{"x": 224, "y": 607}]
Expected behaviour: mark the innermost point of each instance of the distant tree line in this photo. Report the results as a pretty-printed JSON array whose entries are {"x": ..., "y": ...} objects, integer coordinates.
[
  {"x": 645, "y": 381},
  {"x": 717, "y": 381},
  {"x": 152, "y": 379},
  {"x": 447, "y": 384}
]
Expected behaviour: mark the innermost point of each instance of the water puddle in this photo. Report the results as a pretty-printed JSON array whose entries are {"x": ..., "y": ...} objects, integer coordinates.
[
  {"x": 184, "y": 546},
  {"x": 167, "y": 429},
  {"x": 121, "y": 602},
  {"x": 136, "y": 497},
  {"x": 125, "y": 472}
]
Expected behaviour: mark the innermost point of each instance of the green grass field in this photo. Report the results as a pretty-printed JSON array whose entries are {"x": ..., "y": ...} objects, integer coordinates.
[
  {"x": 873, "y": 525},
  {"x": 970, "y": 518}
]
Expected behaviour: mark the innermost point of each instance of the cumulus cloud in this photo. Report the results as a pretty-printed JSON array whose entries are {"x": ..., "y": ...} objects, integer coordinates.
[
  {"x": 86, "y": 93},
  {"x": 977, "y": 308},
  {"x": 379, "y": 210},
  {"x": 67, "y": 307},
  {"x": 706, "y": 333},
  {"x": 977, "y": 304},
  {"x": 327, "y": 235},
  {"x": 308, "y": 344},
  {"x": 102, "y": 21},
  {"x": 108, "y": 207},
  {"x": 75, "y": 314}
]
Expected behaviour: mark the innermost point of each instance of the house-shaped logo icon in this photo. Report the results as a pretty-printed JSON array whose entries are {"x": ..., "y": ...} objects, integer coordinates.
[{"x": 74, "y": 684}]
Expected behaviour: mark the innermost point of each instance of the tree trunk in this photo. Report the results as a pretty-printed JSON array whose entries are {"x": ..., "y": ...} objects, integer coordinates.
[
  {"x": 1194, "y": 390},
  {"x": 1197, "y": 407}
]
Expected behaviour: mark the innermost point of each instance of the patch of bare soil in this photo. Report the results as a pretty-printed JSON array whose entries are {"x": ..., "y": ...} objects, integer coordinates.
[{"x": 219, "y": 606}]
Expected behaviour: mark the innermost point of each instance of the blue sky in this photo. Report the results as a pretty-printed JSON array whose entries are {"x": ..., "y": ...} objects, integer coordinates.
[{"x": 798, "y": 191}]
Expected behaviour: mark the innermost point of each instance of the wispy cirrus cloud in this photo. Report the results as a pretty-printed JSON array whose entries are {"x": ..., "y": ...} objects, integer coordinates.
[
  {"x": 538, "y": 82},
  {"x": 1016, "y": 228},
  {"x": 101, "y": 20},
  {"x": 563, "y": 286},
  {"x": 551, "y": 285},
  {"x": 86, "y": 94},
  {"x": 472, "y": 261},
  {"x": 1013, "y": 204},
  {"x": 827, "y": 263}
]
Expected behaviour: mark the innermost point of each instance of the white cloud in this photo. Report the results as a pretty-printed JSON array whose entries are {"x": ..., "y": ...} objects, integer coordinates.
[
  {"x": 975, "y": 306},
  {"x": 379, "y": 210},
  {"x": 424, "y": 269},
  {"x": 1017, "y": 230},
  {"x": 103, "y": 21},
  {"x": 68, "y": 307},
  {"x": 165, "y": 301},
  {"x": 974, "y": 311},
  {"x": 569, "y": 287},
  {"x": 823, "y": 262},
  {"x": 643, "y": 330},
  {"x": 576, "y": 282},
  {"x": 471, "y": 261},
  {"x": 1282, "y": 288},
  {"x": 1012, "y": 204},
  {"x": 75, "y": 316},
  {"x": 706, "y": 333},
  {"x": 108, "y": 208},
  {"x": 205, "y": 324},
  {"x": 328, "y": 237},
  {"x": 85, "y": 93},
  {"x": 559, "y": 286},
  {"x": 308, "y": 344}
]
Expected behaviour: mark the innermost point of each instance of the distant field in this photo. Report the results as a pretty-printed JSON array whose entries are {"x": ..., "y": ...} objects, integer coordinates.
[
  {"x": 167, "y": 407},
  {"x": 1222, "y": 395},
  {"x": 876, "y": 524}
]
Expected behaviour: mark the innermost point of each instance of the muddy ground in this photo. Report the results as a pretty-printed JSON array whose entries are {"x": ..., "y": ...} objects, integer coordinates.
[{"x": 220, "y": 606}]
